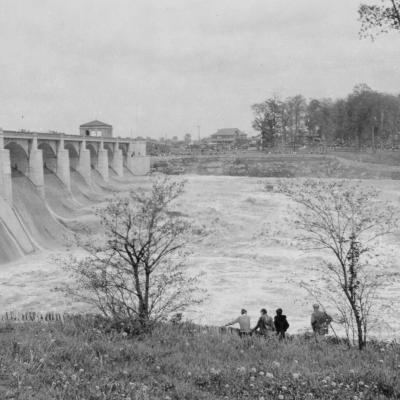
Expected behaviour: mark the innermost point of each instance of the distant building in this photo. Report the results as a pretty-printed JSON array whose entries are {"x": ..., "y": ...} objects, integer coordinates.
[
  {"x": 188, "y": 138},
  {"x": 96, "y": 128},
  {"x": 228, "y": 137}
]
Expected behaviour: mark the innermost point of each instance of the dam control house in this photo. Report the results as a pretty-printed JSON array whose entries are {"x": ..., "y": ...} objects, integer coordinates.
[{"x": 96, "y": 129}]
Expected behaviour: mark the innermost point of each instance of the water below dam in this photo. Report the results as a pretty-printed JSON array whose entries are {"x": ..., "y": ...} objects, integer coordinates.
[{"x": 247, "y": 253}]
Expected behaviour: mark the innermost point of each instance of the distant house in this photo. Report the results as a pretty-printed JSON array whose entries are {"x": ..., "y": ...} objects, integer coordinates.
[
  {"x": 228, "y": 137},
  {"x": 96, "y": 128}
]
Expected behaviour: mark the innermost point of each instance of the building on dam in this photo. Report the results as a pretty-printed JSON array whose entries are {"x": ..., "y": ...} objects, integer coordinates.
[{"x": 96, "y": 128}]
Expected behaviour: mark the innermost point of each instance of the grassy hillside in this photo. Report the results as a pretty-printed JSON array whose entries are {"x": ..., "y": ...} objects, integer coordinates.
[
  {"x": 78, "y": 360},
  {"x": 276, "y": 165}
]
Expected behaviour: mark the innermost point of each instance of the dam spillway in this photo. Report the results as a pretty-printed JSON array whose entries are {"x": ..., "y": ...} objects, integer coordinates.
[{"x": 48, "y": 177}]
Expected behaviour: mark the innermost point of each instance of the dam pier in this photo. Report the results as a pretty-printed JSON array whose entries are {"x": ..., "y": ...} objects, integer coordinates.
[{"x": 30, "y": 154}]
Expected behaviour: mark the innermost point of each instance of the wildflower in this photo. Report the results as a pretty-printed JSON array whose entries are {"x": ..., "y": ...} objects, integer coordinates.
[
  {"x": 167, "y": 398},
  {"x": 73, "y": 377},
  {"x": 124, "y": 334},
  {"x": 284, "y": 388},
  {"x": 241, "y": 370},
  {"x": 280, "y": 397},
  {"x": 226, "y": 386},
  {"x": 81, "y": 370},
  {"x": 252, "y": 378},
  {"x": 296, "y": 375},
  {"x": 295, "y": 361},
  {"x": 214, "y": 371},
  {"x": 261, "y": 373},
  {"x": 125, "y": 372},
  {"x": 269, "y": 375},
  {"x": 381, "y": 361},
  {"x": 253, "y": 370},
  {"x": 189, "y": 373},
  {"x": 361, "y": 383},
  {"x": 333, "y": 384},
  {"x": 251, "y": 386},
  {"x": 276, "y": 364},
  {"x": 262, "y": 398},
  {"x": 41, "y": 360},
  {"x": 352, "y": 371},
  {"x": 158, "y": 367}
]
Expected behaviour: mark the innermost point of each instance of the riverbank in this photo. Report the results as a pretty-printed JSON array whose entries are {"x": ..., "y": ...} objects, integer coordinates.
[{"x": 78, "y": 360}]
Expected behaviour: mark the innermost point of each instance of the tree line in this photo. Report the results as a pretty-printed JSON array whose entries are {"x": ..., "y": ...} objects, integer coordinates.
[{"x": 365, "y": 118}]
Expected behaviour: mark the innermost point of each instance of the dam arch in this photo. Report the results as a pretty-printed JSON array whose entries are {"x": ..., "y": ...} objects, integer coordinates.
[
  {"x": 124, "y": 151},
  {"x": 110, "y": 153},
  {"x": 73, "y": 155},
  {"x": 49, "y": 157},
  {"x": 19, "y": 159},
  {"x": 93, "y": 155}
]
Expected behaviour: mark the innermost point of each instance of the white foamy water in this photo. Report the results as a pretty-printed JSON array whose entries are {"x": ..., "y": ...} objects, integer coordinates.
[{"x": 247, "y": 257}]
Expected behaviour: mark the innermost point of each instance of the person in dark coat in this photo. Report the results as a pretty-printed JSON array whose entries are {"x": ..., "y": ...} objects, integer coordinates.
[
  {"x": 265, "y": 324},
  {"x": 281, "y": 324}
]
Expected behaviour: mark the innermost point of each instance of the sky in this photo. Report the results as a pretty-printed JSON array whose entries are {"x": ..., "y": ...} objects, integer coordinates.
[{"x": 163, "y": 68}]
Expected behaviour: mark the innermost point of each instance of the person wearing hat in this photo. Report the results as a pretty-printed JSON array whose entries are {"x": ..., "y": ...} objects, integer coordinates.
[{"x": 320, "y": 321}]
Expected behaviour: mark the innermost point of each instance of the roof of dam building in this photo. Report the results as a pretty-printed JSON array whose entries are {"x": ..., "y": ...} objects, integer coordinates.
[
  {"x": 95, "y": 124},
  {"x": 229, "y": 132}
]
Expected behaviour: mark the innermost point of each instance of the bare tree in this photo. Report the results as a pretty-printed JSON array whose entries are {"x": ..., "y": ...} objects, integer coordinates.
[
  {"x": 135, "y": 268},
  {"x": 345, "y": 220},
  {"x": 381, "y": 18}
]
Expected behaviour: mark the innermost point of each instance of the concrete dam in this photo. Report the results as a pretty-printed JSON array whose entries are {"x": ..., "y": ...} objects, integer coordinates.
[{"x": 47, "y": 179}]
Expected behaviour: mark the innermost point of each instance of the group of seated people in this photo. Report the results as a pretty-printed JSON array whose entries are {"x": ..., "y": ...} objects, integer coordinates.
[{"x": 266, "y": 326}]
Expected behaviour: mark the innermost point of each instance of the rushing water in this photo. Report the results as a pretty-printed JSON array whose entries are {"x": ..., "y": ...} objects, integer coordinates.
[{"x": 247, "y": 254}]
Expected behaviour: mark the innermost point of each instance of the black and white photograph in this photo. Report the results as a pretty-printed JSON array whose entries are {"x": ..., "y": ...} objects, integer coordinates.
[{"x": 199, "y": 200}]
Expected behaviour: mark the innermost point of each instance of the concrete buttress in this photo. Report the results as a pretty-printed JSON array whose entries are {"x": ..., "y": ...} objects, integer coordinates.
[
  {"x": 36, "y": 166},
  {"x": 102, "y": 162}
]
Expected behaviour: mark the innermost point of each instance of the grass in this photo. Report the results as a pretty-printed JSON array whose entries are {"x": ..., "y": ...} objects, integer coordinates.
[{"x": 78, "y": 360}]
